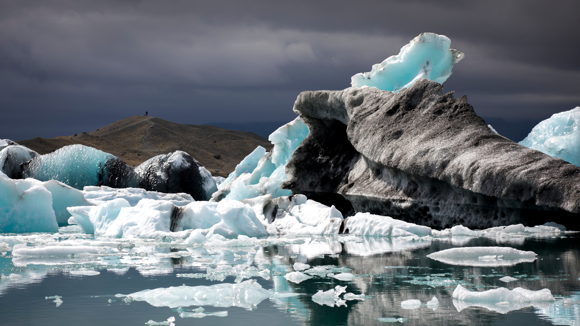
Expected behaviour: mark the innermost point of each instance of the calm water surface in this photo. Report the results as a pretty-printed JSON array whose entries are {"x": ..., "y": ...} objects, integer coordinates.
[{"x": 387, "y": 272}]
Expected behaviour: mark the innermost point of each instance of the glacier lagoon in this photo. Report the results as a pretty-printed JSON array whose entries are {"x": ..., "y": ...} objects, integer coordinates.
[
  {"x": 258, "y": 257},
  {"x": 101, "y": 283}
]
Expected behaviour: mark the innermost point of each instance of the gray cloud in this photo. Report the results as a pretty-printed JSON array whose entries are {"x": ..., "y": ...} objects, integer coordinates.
[{"x": 70, "y": 66}]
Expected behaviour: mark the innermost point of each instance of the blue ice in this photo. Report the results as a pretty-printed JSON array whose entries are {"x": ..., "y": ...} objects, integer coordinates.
[
  {"x": 558, "y": 136},
  {"x": 427, "y": 56},
  {"x": 74, "y": 165}
]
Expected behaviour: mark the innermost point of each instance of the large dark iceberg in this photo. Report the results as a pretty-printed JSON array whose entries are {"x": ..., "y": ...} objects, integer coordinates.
[{"x": 427, "y": 158}]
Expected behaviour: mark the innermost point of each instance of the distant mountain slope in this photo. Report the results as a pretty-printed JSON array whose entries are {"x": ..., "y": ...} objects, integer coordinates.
[{"x": 138, "y": 138}]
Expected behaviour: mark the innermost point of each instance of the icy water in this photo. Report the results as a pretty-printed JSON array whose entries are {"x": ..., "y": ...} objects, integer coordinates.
[{"x": 387, "y": 271}]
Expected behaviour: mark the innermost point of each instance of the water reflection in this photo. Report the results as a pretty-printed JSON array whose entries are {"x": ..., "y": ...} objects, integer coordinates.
[{"x": 387, "y": 271}]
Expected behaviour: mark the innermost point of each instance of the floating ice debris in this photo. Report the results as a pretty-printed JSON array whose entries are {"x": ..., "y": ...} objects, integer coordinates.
[
  {"x": 483, "y": 256},
  {"x": 269, "y": 172},
  {"x": 26, "y": 206},
  {"x": 383, "y": 226},
  {"x": 298, "y": 266},
  {"x": 169, "y": 322},
  {"x": 433, "y": 303},
  {"x": 557, "y": 136},
  {"x": 501, "y": 299},
  {"x": 427, "y": 56},
  {"x": 4, "y": 247},
  {"x": 84, "y": 272},
  {"x": 331, "y": 297},
  {"x": 562, "y": 312},
  {"x": 246, "y": 295},
  {"x": 344, "y": 277},
  {"x": 297, "y": 277},
  {"x": 508, "y": 279},
  {"x": 392, "y": 320},
  {"x": 199, "y": 313},
  {"x": 57, "y": 299},
  {"x": 411, "y": 304},
  {"x": 367, "y": 246},
  {"x": 100, "y": 195},
  {"x": 51, "y": 251},
  {"x": 351, "y": 296}
]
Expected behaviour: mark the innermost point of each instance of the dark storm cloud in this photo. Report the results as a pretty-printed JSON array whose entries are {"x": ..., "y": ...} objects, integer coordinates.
[{"x": 72, "y": 66}]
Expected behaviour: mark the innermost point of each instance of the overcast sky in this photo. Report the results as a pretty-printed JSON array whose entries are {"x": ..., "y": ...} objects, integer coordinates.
[{"x": 75, "y": 65}]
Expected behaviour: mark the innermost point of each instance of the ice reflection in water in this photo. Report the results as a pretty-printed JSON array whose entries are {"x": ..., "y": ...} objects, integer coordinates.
[{"x": 388, "y": 271}]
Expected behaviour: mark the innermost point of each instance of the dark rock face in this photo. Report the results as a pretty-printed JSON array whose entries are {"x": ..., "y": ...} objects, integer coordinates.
[{"x": 427, "y": 158}]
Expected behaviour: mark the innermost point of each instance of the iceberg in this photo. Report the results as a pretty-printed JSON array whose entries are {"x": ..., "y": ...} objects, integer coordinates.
[
  {"x": 156, "y": 218},
  {"x": 427, "y": 56},
  {"x": 12, "y": 157},
  {"x": 64, "y": 196},
  {"x": 6, "y": 142},
  {"x": 74, "y": 165},
  {"x": 557, "y": 136},
  {"x": 25, "y": 206},
  {"x": 247, "y": 294},
  {"x": 256, "y": 176},
  {"x": 331, "y": 297},
  {"x": 297, "y": 277},
  {"x": 81, "y": 166},
  {"x": 483, "y": 256}
]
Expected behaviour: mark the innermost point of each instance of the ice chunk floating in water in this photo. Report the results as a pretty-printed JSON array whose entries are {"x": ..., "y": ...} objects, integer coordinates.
[
  {"x": 557, "y": 136},
  {"x": 500, "y": 300},
  {"x": 427, "y": 56},
  {"x": 483, "y": 256},
  {"x": 247, "y": 295}
]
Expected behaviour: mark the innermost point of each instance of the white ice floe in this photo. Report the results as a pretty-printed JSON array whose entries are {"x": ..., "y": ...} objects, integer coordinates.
[
  {"x": 51, "y": 251},
  {"x": 200, "y": 313},
  {"x": 483, "y": 256},
  {"x": 331, "y": 297},
  {"x": 57, "y": 299},
  {"x": 168, "y": 322},
  {"x": 297, "y": 277},
  {"x": 83, "y": 272},
  {"x": 383, "y": 226},
  {"x": 100, "y": 195},
  {"x": 298, "y": 266},
  {"x": 508, "y": 279},
  {"x": 433, "y": 303},
  {"x": 411, "y": 304},
  {"x": 427, "y": 56},
  {"x": 344, "y": 277},
  {"x": 247, "y": 294},
  {"x": 501, "y": 300}
]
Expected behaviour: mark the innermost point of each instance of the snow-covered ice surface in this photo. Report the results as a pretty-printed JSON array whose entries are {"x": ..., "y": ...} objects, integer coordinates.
[
  {"x": 427, "y": 56},
  {"x": 100, "y": 195},
  {"x": 557, "y": 136}
]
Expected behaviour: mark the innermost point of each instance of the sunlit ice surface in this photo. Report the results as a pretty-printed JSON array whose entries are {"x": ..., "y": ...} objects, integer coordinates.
[{"x": 71, "y": 277}]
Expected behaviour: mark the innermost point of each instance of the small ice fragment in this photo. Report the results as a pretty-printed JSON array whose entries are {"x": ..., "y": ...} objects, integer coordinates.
[
  {"x": 111, "y": 300},
  {"x": 301, "y": 266},
  {"x": 187, "y": 314},
  {"x": 411, "y": 304},
  {"x": 433, "y": 303},
  {"x": 392, "y": 320},
  {"x": 297, "y": 277},
  {"x": 330, "y": 297},
  {"x": 344, "y": 277},
  {"x": 169, "y": 322},
  {"x": 351, "y": 296},
  {"x": 58, "y": 302},
  {"x": 508, "y": 279}
]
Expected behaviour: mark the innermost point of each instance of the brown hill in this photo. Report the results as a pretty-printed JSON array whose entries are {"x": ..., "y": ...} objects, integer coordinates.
[{"x": 138, "y": 138}]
